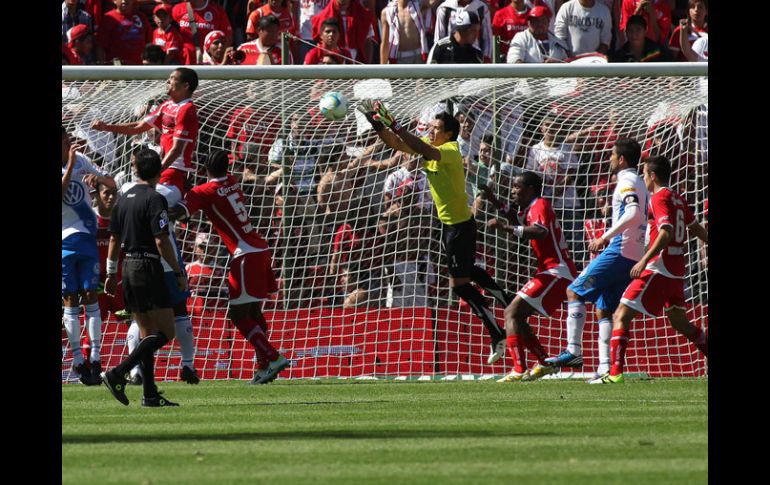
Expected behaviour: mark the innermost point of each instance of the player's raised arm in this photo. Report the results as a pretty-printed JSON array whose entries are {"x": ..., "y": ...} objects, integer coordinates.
[
  {"x": 383, "y": 115},
  {"x": 65, "y": 179},
  {"x": 699, "y": 231},
  {"x": 122, "y": 128},
  {"x": 367, "y": 108}
]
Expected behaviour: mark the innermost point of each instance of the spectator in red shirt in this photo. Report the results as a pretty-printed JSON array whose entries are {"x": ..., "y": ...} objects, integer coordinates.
[
  {"x": 328, "y": 45},
  {"x": 508, "y": 22},
  {"x": 80, "y": 43},
  {"x": 123, "y": 34},
  {"x": 657, "y": 13},
  {"x": 207, "y": 16},
  {"x": 697, "y": 14},
  {"x": 278, "y": 9},
  {"x": 263, "y": 50},
  {"x": 168, "y": 36},
  {"x": 357, "y": 27}
]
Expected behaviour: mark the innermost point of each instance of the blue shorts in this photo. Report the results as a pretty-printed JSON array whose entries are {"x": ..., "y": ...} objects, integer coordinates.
[
  {"x": 604, "y": 280},
  {"x": 177, "y": 296},
  {"x": 79, "y": 264}
]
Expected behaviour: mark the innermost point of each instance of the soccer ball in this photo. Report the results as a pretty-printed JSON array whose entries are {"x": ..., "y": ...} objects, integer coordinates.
[{"x": 333, "y": 106}]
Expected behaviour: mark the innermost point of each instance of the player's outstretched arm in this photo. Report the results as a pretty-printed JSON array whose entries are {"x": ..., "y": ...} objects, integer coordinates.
[
  {"x": 664, "y": 237},
  {"x": 699, "y": 231},
  {"x": 384, "y": 116},
  {"x": 367, "y": 108},
  {"x": 122, "y": 128},
  {"x": 522, "y": 232},
  {"x": 65, "y": 179}
]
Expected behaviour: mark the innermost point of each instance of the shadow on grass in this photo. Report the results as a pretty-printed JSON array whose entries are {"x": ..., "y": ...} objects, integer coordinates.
[{"x": 388, "y": 434}]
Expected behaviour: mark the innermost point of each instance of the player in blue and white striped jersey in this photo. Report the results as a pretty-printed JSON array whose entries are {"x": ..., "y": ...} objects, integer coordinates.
[
  {"x": 607, "y": 276},
  {"x": 80, "y": 257}
]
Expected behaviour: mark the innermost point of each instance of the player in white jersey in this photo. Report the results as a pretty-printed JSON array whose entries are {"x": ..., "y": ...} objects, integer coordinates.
[
  {"x": 607, "y": 276},
  {"x": 182, "y": 321},
  {"x": 80, "y": 257}
]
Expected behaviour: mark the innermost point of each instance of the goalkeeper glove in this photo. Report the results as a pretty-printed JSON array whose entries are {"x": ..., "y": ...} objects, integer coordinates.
[
  {"x": 385, "y": 117},
  {"x": 366, "y": 108}
]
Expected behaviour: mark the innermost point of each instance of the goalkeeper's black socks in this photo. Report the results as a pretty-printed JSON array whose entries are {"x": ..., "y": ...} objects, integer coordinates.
[
  {"x": 482, "y": 278},
  {"x": 472, "y": 296},
  {"x": 147, "y": 346}
]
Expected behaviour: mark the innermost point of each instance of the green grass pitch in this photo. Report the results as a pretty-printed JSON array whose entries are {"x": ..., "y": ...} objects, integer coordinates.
[{"x": 330, "y": 431}]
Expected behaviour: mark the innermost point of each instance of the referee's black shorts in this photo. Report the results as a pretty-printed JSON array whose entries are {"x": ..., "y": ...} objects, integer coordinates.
[
  {"x": 144, "y": 285},
  {"x": 458, "y": 242}
]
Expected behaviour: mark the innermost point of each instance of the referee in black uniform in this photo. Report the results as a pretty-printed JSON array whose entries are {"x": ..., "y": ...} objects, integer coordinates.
[{"x": 139, "y": 224}]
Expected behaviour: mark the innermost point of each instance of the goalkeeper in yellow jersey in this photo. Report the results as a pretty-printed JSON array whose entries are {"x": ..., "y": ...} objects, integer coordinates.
[{"x": 443, "y": 166}]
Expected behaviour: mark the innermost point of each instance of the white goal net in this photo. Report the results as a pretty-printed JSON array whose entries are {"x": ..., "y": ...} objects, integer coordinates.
[{"x": 352, "y": 227}]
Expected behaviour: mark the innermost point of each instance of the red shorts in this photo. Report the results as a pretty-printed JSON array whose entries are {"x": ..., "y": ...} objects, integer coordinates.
[
  {"x": 111, "y": 304},
  {"x": 545, "y": 292},
  {"x": 175, "y": 178},
  {"x": 662, "y": 290},
  {"x": 251, "y": 278}
]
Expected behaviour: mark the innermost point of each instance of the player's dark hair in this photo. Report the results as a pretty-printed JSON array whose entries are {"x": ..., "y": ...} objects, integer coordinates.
[
  {"x": 154, "y": 54},
  {"x": 660, "y": 166},
  {"x": 692, "y": 3},
  {"x": 147, "y": 163},
  {"x": 331, "y": 22},
  {"x": 63, "y": 131},
  {"x": 531, "y": 179},
  {"x": 217, "y": 163},
  {"x": 629, "y": 149},
  {"x": 450, "y": 124},
  {"x": 267, "y": 21},
  {"x": 488, "y": 138},
  {"x": 187, "y": 75}
]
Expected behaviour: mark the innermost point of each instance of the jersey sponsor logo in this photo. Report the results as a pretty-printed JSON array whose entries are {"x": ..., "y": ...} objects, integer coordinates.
[
  {"x": 76, "y": 192},
  {"x": 223, "y": 191},
  {"x": 163, "y": 219}
]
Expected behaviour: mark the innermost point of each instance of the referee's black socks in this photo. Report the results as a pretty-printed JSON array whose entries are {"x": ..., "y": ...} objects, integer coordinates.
[
  {"x": 147, "y": 346},
  {"x": 476, "y": 301}
]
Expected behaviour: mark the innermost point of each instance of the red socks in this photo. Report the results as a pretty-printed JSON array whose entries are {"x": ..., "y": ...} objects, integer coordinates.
[
  {"x": 253, "y": 332},
  {"x": 618, "y": 345},
  {"x": 533, "y": 344},
  {"x": 517, "y": 352}
]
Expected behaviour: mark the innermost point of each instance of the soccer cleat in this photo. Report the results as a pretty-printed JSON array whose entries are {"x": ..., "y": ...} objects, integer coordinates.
[
  {"x": 515, "y": 376},
  {"x": 498, "y": 350},
  {"x": 157, "y": 402},
  {"x": 189, "y": 375},
  {"x": 117, "y": 386},
  {"x": 269, "y": 374},
  {"x": 539, "y": 371},
  {"x": 96, "y": 370},
  {"x": 608, "y": 379},
  {"x": 566, "y": 359},
  {"x": 84, "y": 373}
]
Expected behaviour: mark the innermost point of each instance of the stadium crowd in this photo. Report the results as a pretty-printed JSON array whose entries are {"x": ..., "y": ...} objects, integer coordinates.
[{"x": 248, "y": 32}]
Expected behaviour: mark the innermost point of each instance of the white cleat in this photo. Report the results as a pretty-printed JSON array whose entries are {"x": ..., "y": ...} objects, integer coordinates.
[{"x": 498, "y": 350}]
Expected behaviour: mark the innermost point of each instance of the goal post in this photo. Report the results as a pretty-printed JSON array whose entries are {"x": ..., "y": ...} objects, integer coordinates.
[{"x": 351, "y": 225}]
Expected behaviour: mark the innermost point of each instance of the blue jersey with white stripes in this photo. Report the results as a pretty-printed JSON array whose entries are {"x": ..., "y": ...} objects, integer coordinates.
[{"x": 630, "y": 189}]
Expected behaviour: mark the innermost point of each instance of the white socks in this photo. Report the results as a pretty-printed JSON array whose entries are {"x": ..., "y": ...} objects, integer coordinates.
[
  {"x": 603, "y": 343},
  {"x": 184, "y": 335},
  {"x": 132, "y": 341},
  {"x": 576, "y": 320},
  {"x": 72, "y": 326},
  {"x": 94, "y": 326}
]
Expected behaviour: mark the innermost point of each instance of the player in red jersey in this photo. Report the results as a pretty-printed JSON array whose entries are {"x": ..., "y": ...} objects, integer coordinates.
[
  {"x": 177, "y": 120},
  {"x": 659, "y": 275},
  {"x": 547, "y": 290},
  {"x": 206, "y": 16},
  {"x": 250, "y": 279},
  {"x": 106, "y": 197}
]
